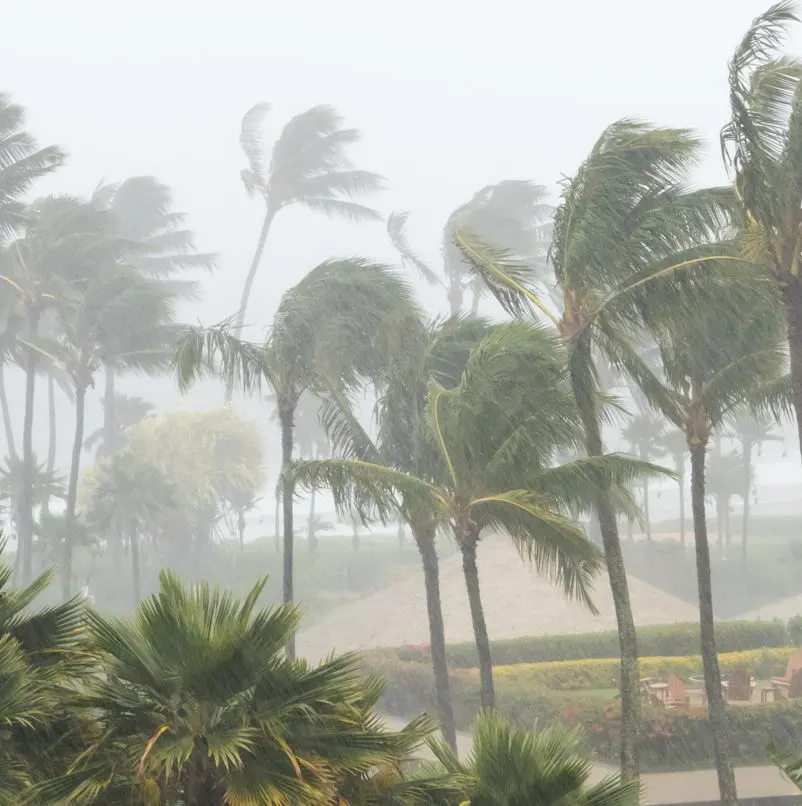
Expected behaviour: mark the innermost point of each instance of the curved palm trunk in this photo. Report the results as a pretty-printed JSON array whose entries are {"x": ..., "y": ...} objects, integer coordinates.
[
  {"x": 255, "y": 261},
  {"x": 72, "y": 490},
  {"x": 287, "y": 419},
  {"x": 468, "y": 542},
  {"x": 25, "y": 512},
  {"x": 715, "y": 698},
  {"x": 109, "y": 433},
  {"x": 614, "y": 558},
  {"x": 7, "y": 427},
  {"x": 437, "y": 634},
  {"x": 747, "y": 481},
  {"x": 793, "y": 314}
]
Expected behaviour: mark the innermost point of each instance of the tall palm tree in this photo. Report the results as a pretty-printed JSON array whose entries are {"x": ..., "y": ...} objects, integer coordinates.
[
  {"x": 495, "y": 470},
  {"x": 511, "y": 767},
  {"x": 762, "y": 145},
  {"x": 308, "y": 166},
  {"x": 717, "y": 351},
  {"x": 751, "y": 430},
  {"x": 330, "y": 331},
  {"x": 197, "y": 704},
  {"x": 626, "y": 225}
]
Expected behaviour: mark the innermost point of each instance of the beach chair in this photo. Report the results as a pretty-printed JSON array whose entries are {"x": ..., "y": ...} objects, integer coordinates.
[
  {"x": 782, "y": 685},
  {"x": 677, "y": 693}
]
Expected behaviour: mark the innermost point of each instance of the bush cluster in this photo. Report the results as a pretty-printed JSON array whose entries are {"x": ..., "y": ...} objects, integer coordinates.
[{"x": 675, "y": 640}]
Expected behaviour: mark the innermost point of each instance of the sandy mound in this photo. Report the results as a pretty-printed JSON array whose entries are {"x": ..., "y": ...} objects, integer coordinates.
[
  {"x": 517, "y": 602},
  {"x": 781, "y": 609}
]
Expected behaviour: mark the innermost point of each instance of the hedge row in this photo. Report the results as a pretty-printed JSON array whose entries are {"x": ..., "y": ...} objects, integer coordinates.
[
  {"x": 669, "y": 740},
  {"x": 674, "y": 640},
  {"x": 603, "y": 673}
]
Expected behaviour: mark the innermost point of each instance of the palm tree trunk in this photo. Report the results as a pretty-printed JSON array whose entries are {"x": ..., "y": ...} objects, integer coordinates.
[
  {"x": 400, "y": 535},
  {"x": 437, "y": 634},
  {"x": 310, "y": 529},
  {"x": 467, "y": 543},
  {"x": 355, "y": 538},
  {"x": 793, "y": 315},
  {"x": 287, "y": 419},
  {"x": 51, "y": 424},
  {"x": 715, "y": 698},
  {"x": 72, "y": 490},
  {"x": 745, "y": 493},
  {"x": 614, "y": 558},
  {"x": 7, "y": 427},
  {"x": 25, "y": 514},
  {"x": 136, "y": 568},
  {"x": 255, "y": 261},
  {"x": 109, "y": 431}
]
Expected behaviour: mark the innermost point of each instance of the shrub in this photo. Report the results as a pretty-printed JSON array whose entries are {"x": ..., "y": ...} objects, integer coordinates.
[{"x": 662, "y": 640}]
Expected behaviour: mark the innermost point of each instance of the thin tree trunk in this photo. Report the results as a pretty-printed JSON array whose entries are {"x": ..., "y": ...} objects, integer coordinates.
[
  {"x": 745, "y": 492},
  {"x": 7, "y": 427},
  {"x": 136, "y": 570},
  {"x": 355, "y": 538},
  {"x": 109, "y": 418},
  {"x": 51, "y": 424},
  {"x": 793, "y": 314},
  {"x": 715, "y": 698},
  {"x": 25, "y": 519},
  {"x": 400, "y": 535},
  {"x": 311, "y": 531},
  {"x": 72, "y": 490},
  {"x": 467, "y": 545},
  {"x": 614, "y": 557},
  {"x": 287, "y": 418},
  {"x": 437, "y": 634}
]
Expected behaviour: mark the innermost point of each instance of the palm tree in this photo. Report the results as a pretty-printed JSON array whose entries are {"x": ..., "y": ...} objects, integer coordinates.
[
  {"x": 196, "y": 703},
  {"x": 512, "y": 767},
  {"x": 674, "y": 444},
  {"x": 496, "y": 435},
  {"x": 752, "y": 430},
  {"x": 643, "y": 431},
  {"x": 129, "y": 410},
  {"x": 717, "y": 350},
  {"x": 328, "y": 333},
  {"x": 308, "y": 166},
  {"x": 762, "y": 145},
  {"x": 626, "y": 225},
  {"x": 724, "y": 474}
]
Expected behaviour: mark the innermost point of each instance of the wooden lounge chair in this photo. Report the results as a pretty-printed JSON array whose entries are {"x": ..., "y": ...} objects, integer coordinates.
[
  {"x": 783, "y": 684},
  {"x": 677, "y": 693}
]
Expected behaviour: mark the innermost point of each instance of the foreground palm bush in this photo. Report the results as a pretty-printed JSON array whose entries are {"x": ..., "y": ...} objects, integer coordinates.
[{"x": 196, "y": 703}]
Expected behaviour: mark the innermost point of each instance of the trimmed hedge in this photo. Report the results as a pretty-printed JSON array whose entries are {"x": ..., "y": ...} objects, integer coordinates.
[
  {"x": 674, "y": 640},
  {"x": 603, "y": 673},
  {"x": 669, "y": 740}
]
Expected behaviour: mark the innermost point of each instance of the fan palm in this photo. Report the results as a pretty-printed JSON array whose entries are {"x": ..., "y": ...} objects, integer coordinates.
[
  {"x": 625, "y": 227},
  {"x": 715, "y": 355},
  {"x": 329, "y": 332},
  {"x": 197, "y": 704},
  {"x": 496, "y": 435},
  {"x": 762, "y": 145},
  {"x": 308, "y": 166},
  {"x": 513, "y": 767}
]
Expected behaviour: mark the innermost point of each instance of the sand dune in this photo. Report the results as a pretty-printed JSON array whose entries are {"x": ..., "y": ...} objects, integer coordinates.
[{"x": 517, "y": 602}]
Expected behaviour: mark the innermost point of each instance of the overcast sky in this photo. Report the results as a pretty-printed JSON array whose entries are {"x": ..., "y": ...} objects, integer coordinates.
[{"x": 449, "y": 95}]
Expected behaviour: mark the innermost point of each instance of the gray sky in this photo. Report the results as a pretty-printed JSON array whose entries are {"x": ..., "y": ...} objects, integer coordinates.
[{"x": 449, "y": 95}]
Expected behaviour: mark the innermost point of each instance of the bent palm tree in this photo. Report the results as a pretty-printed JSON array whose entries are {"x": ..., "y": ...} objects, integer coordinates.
[
  {"x": 329, "y": 333},
  {"x": 494, "y": 470},
  {"x": 308, "y": 166},
  {"x": 626, "y": 225},
  {"x": 512, "y": 767}
]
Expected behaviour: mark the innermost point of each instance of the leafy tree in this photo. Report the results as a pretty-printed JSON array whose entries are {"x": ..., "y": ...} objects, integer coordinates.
[
  {"x": 197, "y": 704},
  {"x": 625, "y": 227},
  {"x": 762, "y": 145},
  {"x": 717, "y": 350},
  {"x": 308, "y": 166},
  {"x": 513, "y": 767},
  {"x": 329, "y": 333},
  {"x": 496, "y": 435}
]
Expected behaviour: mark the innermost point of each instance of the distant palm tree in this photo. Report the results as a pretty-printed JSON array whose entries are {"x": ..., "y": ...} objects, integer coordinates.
[
  {"x": 308, "y": 166},
  {"x": 129, "y": 410},
  {"x": 512, "y": 767},
  {"x": 643, "y": 432},
  {"x": 723, "y": 483},
  {"x": 674, "y": 444}
]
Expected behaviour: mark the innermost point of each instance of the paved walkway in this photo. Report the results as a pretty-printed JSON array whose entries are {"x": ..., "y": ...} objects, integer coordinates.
[{"x": 675, "y": 787}]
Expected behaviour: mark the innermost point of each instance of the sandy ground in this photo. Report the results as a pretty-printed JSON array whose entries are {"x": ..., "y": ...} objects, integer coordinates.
[
  {"x": 783, "y": 609},
  {"x": 517, "y": 603}
]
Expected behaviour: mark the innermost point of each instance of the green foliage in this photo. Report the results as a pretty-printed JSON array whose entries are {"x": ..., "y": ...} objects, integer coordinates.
[{"x": 658, "y": 640}]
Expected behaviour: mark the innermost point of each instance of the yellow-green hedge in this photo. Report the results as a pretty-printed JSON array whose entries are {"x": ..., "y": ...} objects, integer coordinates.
[{"x": 603, "y": 672}]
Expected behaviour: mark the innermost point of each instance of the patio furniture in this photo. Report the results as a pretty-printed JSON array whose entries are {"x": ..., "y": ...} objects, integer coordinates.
[
  {"x": 783, "y": 684},
  {"x": 739, "y": 686},
  {"x": 676, "y": 694}
]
